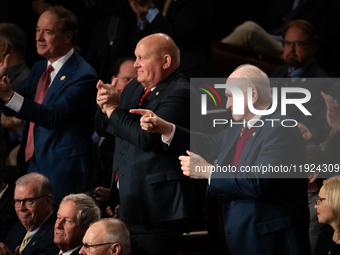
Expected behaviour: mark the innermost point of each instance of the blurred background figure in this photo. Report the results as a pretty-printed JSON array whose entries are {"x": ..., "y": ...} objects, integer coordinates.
[
  {"x": 8, "y": 217},
  {"x": 13, "y": 42}
]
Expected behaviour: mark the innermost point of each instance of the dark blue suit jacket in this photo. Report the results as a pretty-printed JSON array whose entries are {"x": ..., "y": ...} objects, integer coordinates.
[
  {"x": 41, "y": 243},
  {"x": 63, "y": 125},
  {"x": 263, "y": 214},
  {"x": 151, "y": 185}
]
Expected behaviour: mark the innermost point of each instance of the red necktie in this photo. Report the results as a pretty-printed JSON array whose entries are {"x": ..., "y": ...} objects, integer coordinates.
[
  {"x": 40, "y": 93},
  {"x": 142, "y": 99}
]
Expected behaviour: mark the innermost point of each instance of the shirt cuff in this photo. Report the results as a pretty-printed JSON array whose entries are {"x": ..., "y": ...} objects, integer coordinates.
[
  {"x": 168, "y": 142},
  {"x": 209, "y": 178},
  {"x": 16, "y": 102}
]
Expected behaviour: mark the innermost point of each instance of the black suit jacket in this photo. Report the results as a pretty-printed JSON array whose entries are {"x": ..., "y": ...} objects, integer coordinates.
[
  {"x": 315, "y": 80},
  {"x": 41, "y": 243},
  {"x": 151, "y": 185},
  {"x": 8, "y": 216}
]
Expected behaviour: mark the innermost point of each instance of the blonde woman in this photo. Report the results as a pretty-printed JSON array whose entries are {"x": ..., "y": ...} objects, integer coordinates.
[{"x": 327, "y": 205}]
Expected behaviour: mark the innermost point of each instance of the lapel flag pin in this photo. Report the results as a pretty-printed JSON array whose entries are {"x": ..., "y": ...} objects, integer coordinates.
[
  {"x": 62, "y": 77},
  {"x": 157, "y": 93}
]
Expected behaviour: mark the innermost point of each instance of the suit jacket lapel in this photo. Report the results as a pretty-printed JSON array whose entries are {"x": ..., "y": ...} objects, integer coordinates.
[
  {"x": 159, "y": 92},
  {"x": 229, "y": 143},
  {"x": 63, "y": 76},
  {"x": 254, "y": 133},
  {"x": 41, "y": 232}
]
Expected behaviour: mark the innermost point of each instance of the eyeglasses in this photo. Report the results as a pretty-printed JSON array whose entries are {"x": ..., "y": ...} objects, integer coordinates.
[
  {"x": 296, "y": 44},
  {"x": 88, "y": 249},
  {"x": 27, "y": 202},
  {"x": 318, "y": 200}
]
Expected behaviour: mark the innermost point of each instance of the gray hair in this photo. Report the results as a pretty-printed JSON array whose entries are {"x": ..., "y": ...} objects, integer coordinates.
[
  {"x": 15, "y": 37},
  {"x": 254, "y": 76},
  {"x": 88, "y": 211},
  {"x": 44, "y": 186},
  {"x": 116, "y": 232}
]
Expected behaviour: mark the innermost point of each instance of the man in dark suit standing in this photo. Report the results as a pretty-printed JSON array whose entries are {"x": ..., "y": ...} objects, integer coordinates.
[
  {"x": 58, "y": 103},
  {"x": 76, "y": 213},
  {"x": 153, "y": 195},
  {"x": 261, "y": 213},
  {"x": 33, "y": 205}
]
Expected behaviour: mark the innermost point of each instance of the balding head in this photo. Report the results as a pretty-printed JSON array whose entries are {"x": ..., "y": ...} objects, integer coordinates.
[
  {"x": 249, "y": 76},
  {"x": 110, "y": 232},
  {"x": 157, "y": 56}
]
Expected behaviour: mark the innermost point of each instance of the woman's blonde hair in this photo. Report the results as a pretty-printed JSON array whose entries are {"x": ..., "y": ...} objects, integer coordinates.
[{"x": 332, "y": 189}]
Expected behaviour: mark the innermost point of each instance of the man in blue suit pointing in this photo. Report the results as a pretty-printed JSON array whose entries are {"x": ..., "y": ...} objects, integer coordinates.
[
  {"x": 57, "y": 101},
  {"x": 248, "y": 212}
]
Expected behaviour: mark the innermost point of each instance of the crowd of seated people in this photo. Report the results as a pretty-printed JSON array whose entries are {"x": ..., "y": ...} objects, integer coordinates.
[{"x": 66, "y": 131}]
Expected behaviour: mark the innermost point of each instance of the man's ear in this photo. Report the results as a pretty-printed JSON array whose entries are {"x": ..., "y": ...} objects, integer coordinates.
[
  {"x": 166, "y": 61},
  {"x": 116, "y": 249},
  {"x": 4, "y": 49},
  {"x": 112, "y": 79},
  {"x": 254, "y": 94},
  {"x": 68, "y": 37}
]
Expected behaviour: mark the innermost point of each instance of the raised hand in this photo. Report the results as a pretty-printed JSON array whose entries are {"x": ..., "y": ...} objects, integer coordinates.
[
  {"x": 333, "y": 111},
  {"x": 307, "y": 135},
  {"x": 152, "y": 123}
]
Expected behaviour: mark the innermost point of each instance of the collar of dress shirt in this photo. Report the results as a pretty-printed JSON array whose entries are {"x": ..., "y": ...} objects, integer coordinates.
[
  {"x": 3, "y": 192},
  {"x": 295, "y": 74},
  {"x": 32, "y": 233},
  {"x": 58, "y": 64},
  {"x": 68, "y": 252}
]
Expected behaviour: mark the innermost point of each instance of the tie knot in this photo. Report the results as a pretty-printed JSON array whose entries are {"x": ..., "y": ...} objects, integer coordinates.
[
  {"x": 244, "y": 130},
  {"x": 146, "y": 93},
  {"x": 49, "y": 69}
]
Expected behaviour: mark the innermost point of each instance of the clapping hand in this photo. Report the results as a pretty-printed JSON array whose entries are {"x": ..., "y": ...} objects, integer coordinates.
[{"x": 333, "y": 111}]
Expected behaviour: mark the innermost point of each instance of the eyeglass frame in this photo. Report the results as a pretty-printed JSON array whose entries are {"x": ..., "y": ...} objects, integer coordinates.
[
  {"x": 297, "y": 44},
  {"x": 88, "y": 247},
  {"x": 25, "y": 200},
  {"x": 319, "y": 199}
]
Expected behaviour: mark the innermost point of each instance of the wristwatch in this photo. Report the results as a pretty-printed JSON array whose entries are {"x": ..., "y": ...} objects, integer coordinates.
[{"x": 8, "y": 99}]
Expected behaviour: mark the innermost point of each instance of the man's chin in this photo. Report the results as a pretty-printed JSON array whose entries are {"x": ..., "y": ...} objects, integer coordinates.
[
  {"x": 293, "y": 62},
  {"x": 238, "y": 117}
]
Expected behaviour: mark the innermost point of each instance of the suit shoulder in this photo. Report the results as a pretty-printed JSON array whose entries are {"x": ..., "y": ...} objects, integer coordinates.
[
  {"x": 279, "y": 72},
  {"x": 85, "y": 67}
]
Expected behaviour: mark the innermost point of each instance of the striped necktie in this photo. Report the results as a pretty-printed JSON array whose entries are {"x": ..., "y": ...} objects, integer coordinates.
[{"x": 25, "y": 241}]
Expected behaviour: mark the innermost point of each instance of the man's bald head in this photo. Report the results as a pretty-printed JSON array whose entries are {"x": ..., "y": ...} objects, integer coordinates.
[{"x": 157, "y": 56}]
